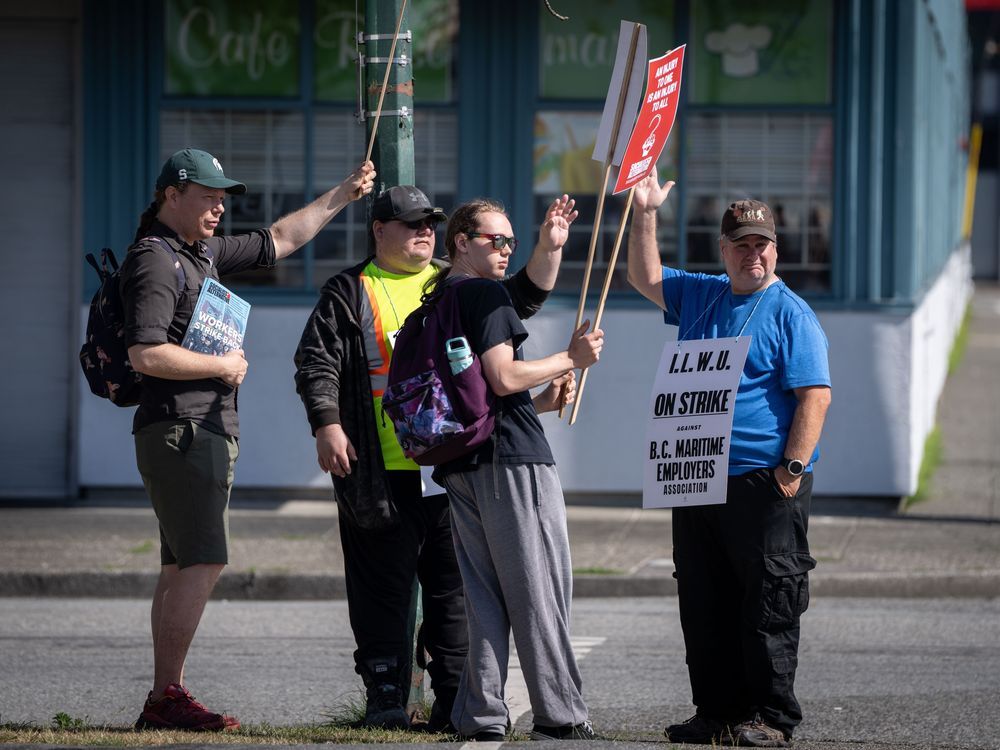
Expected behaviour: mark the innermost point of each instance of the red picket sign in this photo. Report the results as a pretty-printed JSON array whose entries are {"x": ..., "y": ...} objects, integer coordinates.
[{"x": 655, "y": 120}]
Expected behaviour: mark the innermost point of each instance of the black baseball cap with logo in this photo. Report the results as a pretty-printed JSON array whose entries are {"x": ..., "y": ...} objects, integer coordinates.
[
  {"x": 194, "y": 165},
  {"x": 748, "y": 217},
  {"x": 405, "y": 203}
]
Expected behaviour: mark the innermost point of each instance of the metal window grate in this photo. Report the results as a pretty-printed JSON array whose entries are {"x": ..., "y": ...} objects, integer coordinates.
[
  {"x": 268, "y": 151},
  {"x": 782, "y": 159}
]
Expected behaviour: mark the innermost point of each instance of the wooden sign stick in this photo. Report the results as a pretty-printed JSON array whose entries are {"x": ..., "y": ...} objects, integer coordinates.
[
  {"x": 604, "y": 297},
  {"x": 385, "y": 82},
  {"x": 595, "y": 233},
  {"x": 599, "y": 213}
]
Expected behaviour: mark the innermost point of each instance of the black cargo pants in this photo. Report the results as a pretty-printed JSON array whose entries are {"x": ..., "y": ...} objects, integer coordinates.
[
  {"x": 380, "y": 567},
  {"x": 742, "y": 583}
]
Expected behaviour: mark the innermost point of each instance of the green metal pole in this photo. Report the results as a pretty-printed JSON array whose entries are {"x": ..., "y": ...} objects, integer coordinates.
[
  {"x": 393, "y": 157},
  {"x": 393, "y": 152}
]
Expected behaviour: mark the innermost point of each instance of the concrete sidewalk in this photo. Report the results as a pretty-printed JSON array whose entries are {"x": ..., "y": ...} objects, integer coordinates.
[
  {"x": 948, "y": 545},
  {"x": 292, "y": 551}
]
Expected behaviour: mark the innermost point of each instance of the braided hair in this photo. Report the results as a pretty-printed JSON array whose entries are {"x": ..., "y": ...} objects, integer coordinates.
[{"x": 153, "y": 209}]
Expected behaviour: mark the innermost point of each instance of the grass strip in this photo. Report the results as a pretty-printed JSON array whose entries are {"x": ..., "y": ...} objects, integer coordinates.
[
  {"x": 933, "y": 450},
  {"x": 961, "y": 341},
  {"x": 84, "y": 735}
]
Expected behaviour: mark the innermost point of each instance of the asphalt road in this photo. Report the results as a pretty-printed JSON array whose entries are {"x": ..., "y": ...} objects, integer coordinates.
[{"x": 873, "y": 674}]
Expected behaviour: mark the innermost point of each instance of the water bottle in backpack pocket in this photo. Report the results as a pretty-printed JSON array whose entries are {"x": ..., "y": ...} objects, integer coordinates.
[{"x": 459, "y": 354}]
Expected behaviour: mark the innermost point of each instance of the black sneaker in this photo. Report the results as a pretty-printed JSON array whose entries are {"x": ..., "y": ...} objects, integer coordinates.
[
  {"x": 582, "y": 731},
  {"x": 700, "y": 730},
  {"x": 755, "y": 733},
  {"x": 440, "y": 719},
  {"x": 385, "y": 708}
]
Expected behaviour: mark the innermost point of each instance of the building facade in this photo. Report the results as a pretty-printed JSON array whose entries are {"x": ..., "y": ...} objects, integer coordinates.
[{"x": 849, "y": 117}]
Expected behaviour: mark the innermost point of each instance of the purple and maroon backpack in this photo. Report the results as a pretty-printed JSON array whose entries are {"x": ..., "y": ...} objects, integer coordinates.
[{"x": 438, "y": 415}]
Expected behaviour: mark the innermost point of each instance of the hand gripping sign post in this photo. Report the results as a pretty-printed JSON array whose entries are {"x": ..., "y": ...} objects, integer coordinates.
[
  {"x": 691, "y": 422},
  {"x": 649, "y": 136},
  {"x": 622, "y": 100}
]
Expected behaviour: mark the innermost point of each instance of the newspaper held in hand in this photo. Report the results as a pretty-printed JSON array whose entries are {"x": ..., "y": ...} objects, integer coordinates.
[{"x": 219, "y": 321}]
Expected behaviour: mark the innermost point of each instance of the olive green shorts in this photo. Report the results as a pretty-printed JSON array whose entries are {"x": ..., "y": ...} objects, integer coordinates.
[{"x": 188, "y": 473}]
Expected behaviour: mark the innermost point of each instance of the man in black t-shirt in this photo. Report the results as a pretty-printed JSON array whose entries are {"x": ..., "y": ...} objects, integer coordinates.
[
  {"x": 507, "y": 508},
  {"x": 393, "y": 528},
  {"x": 186, "y": 426}
]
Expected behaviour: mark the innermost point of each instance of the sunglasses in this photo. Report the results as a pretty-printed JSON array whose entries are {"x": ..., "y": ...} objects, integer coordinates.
[
  {"x": 498, "y": 240},
  {"x": 418, "y": 223}
]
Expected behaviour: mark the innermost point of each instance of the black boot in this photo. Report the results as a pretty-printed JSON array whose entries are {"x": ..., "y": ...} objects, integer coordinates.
[
  {"x": 385, "y": 707},
  {"x": 440, "y": 718}
]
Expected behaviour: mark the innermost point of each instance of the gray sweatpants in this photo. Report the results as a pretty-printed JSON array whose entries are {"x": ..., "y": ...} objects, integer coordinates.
[{"x": 509, "y": 524}]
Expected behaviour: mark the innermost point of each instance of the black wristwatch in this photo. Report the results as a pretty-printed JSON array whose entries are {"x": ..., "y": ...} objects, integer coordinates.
[{"x": 793, "y": 466}]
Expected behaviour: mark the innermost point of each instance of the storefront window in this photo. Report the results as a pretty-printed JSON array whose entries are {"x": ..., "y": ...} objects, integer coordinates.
[
  {"x": 778, "y": 52},
  {"x": 576, "y": 59},
  {"x": 564, "y": 144},
  {"x": 784, "y": 160},
  {"x": 263, "y": 149},
  {"x": 434, "y": 24},
  {"x": 230, "y": 48},
  {"x": 230, "y": 52},
  {"x": 576, "y": 56}
]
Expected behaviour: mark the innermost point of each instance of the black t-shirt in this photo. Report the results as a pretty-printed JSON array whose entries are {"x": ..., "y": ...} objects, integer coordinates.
[
  {"x": 488, "y": 319},
  {"x": 156, "y": 314}
]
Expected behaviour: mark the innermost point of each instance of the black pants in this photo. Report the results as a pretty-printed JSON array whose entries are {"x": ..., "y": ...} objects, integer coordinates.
[
  {"x": 742, "y": 583},
  {"x": 380, "y": 568}
]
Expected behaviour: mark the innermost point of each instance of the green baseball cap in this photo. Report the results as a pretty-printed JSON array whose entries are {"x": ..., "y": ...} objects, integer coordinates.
[{"x": 194, "y": 165}]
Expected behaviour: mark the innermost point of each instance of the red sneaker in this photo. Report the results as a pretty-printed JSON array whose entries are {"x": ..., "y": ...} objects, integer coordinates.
[{"x": 178, "y": 709}]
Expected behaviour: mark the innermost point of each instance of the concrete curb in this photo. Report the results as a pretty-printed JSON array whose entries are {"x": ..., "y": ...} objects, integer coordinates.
[
  {"x": 971, "y": 584},
  {"x": 955, "y": 585},
  {"x": 277, "y": 586},
  {"x": 243, "y": 586}
]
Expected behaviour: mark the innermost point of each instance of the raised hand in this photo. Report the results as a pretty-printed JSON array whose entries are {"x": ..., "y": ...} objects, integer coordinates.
[
  {"x": 649, "y": 194},
  {"x": 360, "y": 182},
  {"x": 555, "y": 228}
]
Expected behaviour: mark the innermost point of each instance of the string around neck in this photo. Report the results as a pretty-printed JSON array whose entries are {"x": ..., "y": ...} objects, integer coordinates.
[{"x": 712, "y": 304}]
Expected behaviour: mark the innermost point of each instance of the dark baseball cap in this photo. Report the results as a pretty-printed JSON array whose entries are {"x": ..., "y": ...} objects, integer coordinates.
[
  {"x": 405, "y": 203},
  {"x": 194, "y": 165},
  {"x": 748, "y": 217}
]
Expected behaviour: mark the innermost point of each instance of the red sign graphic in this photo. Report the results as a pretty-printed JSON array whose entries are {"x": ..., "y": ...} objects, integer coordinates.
[{"x": 655, "y": 121}]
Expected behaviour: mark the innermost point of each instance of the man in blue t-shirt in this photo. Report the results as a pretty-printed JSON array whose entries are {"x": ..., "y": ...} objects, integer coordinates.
[{"x": 742, "y": 567}]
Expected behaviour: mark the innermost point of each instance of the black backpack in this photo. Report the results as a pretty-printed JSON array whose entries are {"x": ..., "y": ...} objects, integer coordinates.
[{"x": 104, "y": 356}]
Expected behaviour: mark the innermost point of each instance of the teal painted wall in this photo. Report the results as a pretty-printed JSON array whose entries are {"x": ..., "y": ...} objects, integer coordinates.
[{"x": 119, "y": 133}]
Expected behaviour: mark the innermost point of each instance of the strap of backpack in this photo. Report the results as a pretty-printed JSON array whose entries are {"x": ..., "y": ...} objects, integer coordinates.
[
  {"x": 108, "y": 259},
  {"x": 97, "y": 266},
  {"x": 178, "y": 266},
  {"x": 181, "y": 276},
  {"x": 447, "y": 285}
]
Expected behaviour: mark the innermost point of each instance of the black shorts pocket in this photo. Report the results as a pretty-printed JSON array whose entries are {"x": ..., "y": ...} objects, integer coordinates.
[{"x": 786, "y": 589}]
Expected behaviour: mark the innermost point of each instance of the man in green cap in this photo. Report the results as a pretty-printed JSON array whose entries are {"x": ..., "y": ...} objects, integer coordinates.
[{"x": 186, "y": 426}]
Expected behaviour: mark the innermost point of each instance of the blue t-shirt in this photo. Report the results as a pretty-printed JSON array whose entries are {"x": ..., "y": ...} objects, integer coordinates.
[{"x": 788, "y": 350}]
